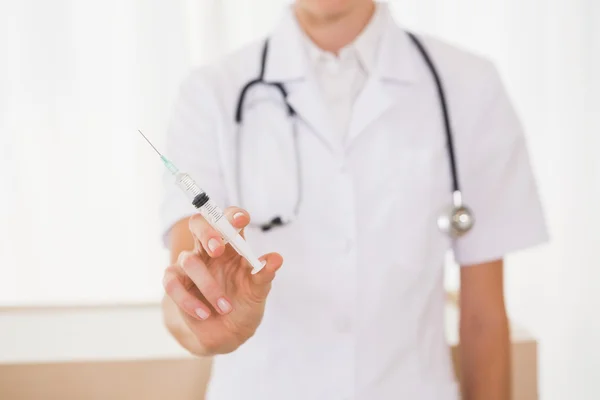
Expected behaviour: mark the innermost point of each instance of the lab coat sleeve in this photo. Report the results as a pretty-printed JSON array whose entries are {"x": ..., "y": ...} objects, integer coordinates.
[
  {"x": 497, "y": 180},
  {"x": 192, "y": 145}
]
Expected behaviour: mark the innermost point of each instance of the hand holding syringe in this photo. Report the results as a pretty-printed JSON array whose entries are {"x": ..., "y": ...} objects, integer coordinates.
[
  {"x": 210, "y": 211},
  {"x": 212, "y": 303}
]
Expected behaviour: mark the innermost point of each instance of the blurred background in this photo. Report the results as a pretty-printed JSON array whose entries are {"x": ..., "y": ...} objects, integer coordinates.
[{"x": 79, "y": 190}]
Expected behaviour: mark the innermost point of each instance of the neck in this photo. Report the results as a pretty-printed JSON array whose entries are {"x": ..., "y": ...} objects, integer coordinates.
[{"x": 333, "y": 32}]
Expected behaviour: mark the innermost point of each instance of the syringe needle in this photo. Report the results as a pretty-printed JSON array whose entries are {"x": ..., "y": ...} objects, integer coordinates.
[
  {"x": 168, "y": 164},
  {"x": 150, "y": 143}
]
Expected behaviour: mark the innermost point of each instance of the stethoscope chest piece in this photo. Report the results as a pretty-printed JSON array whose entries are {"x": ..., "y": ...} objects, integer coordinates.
[{"x": 457, "y": 220}]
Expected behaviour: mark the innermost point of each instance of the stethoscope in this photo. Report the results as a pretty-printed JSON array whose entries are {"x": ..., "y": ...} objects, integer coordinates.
[{"x": 456, "y": 220}]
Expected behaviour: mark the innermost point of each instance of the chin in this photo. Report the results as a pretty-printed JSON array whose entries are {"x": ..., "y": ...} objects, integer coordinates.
[{"x": 329, "y": 8}]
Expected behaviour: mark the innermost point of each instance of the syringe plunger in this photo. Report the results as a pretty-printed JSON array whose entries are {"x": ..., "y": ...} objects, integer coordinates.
[{"x": 188, "y": 186}]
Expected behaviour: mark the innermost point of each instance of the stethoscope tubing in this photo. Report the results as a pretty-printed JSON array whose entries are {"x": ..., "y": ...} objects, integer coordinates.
[{"x": 260, "y": 80}]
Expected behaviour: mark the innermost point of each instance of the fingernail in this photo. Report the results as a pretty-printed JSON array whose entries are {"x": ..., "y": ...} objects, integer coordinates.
[
  {"x": 238, "y": 214},
  {"x": 213, "y": 244},
  {"x": 223, "y": 305},
  {"x": 201, "y": 313}
]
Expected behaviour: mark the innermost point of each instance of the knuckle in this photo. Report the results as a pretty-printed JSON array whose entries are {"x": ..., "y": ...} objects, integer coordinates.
[
  {"x": 188, "y": 261},
  {"x": 170, "y": 282},
  {"x": 196, "y": 223},
  {"x": 188, "y": 266},
  {"x": 211, "y": 290},
  {"x": 181, "y": 257},
  {"x": 195, "y": 218},
  {"x": 204, "y": 231},
  {"x": 171, "y": 270}
]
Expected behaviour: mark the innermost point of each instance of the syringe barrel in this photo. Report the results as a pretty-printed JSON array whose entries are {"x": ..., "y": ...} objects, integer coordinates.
[
  {"x": 213, "y": 214},
  {"x": 199, "y": 198},
  {"x": 188, "y": 186}
]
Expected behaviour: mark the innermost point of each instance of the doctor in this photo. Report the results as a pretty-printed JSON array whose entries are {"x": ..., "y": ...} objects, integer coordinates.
[{"x": 341, "y": 156}]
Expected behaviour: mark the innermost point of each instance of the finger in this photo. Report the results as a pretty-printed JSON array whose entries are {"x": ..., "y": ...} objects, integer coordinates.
[
  {"x": 207, "y": 236},
  {"x": 267, "y": 274},
  {"x": 175, "y": 289},
  {"x": 238, "y": 217},
  {"x": 197, "y": 271}
]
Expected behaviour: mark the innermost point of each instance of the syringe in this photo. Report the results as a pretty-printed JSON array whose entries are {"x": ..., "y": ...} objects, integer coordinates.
[{"x": 210, "y": 211}]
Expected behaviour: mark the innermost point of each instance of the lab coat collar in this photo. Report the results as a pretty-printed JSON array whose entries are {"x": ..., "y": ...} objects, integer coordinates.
[
  {"x": 364, "y": 48},
  {"x": 288, "y": 62},
  {"x": 288, "y": 59},
  {"x": 397, "y": 59}
]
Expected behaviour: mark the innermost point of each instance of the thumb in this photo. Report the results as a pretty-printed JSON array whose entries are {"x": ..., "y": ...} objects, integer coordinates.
[{"x": 261, "y": 280}]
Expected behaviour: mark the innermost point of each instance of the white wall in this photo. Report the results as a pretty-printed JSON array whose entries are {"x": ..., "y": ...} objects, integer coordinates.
[
  {"x": 79, "y": 215},
  {"x": 88, "y": 334}
]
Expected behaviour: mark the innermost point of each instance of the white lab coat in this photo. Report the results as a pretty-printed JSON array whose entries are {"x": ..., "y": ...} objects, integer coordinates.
[{"x": 356, "y": 312}]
